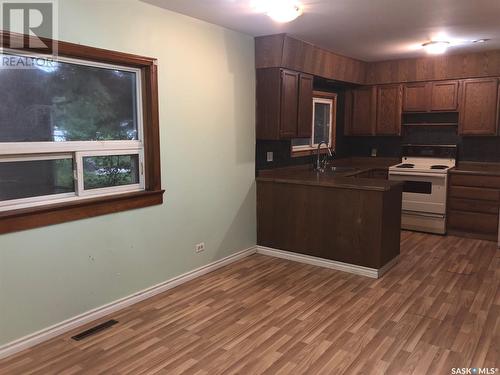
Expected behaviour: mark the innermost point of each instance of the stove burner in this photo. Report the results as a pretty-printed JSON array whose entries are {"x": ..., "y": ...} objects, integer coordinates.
[
  {"x": 406, "y": 165},
  {"x": 439, "y": 167}
]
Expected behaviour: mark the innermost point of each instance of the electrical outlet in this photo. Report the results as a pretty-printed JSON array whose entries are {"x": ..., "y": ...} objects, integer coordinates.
[
  {"x": 270, "y": 156},
  {"x": 374, "y": 152},
  {"x": 200, "y": 247}
]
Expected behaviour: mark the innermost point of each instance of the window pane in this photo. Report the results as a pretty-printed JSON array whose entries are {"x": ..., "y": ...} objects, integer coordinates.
[
  {"x": 321, "y": 122},
  {"x": 108, "y": 171},
  {"x": 26, "y": 179},
  {"x": 60, "y": 101},
  {"x": 301, "y": 142}
]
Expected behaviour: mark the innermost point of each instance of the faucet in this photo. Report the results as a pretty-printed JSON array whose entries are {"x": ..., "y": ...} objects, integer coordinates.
[{"x": 320, "y": 165}]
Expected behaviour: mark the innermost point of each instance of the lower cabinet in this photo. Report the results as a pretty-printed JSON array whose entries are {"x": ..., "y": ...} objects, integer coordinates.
[
  {"x": 473, "y": 206},
  {"x": 474, "y": 224}
]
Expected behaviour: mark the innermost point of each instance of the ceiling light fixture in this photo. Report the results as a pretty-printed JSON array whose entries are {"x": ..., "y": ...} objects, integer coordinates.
[
  {"x": 279, "y": 10},
  {"x": 436, "y": 47}
]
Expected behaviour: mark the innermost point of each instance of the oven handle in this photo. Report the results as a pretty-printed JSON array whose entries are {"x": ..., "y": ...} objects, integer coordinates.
[
  {"x": 423, "y": 214},
  {"x": 416, "y": 174}
]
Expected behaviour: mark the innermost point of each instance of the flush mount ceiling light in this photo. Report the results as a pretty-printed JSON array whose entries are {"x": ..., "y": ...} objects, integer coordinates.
[
  {"x": 436, "y": 47},
  {"x": 279, "y": 10},
  {"x": 480, "y": 41}
]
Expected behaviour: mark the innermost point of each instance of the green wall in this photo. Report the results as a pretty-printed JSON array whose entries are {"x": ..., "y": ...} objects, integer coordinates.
[{"x": 207, "y": 106}]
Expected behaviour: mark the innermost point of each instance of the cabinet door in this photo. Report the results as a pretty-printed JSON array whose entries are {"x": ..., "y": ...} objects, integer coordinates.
[
  {"x": 389, "y": 104},
  {"x": 363, "y": 111},
  {"x": 444, "y": 96},
  {"x": 305, "y": 111},
  {"x": 478, "y": 107},
  {"x": 473, "y": 205},
  {"x": 416, "y": 97},
  {"x": 268, "y": 103},
  {"x": 289, "y": 103},
  {"x": 348, "y": 112}
]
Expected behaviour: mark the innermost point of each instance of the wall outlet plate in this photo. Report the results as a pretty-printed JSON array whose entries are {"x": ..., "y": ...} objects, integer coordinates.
[
  {"x": 374, "y": 152},
  {"x": 199, "y": 247},
  {"x": 270, "y": 156}
]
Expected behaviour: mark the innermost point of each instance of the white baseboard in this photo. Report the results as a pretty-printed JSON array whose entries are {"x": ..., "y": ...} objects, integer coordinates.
[
  {"x": 339, "y": 266},
  {"x": 89, "y": 316}
]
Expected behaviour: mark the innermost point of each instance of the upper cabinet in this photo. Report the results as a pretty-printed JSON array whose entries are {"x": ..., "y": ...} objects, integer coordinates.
[
  {"x": 360, "y": 111},
  {"x": 284, "y": 104},
  {"x": 444, "y": 96},
  {"x": 416, "y": 97},
  {"x": 439, "y": 96},
  {"x": 374, "y": 110},
  {"x": 479, "y": 107},
  {"x": 389, "y": 103},
  {"x": 289, "y": 104},
  {"x": 305, "y": 106},
  {"x": 377, "y": 110}
]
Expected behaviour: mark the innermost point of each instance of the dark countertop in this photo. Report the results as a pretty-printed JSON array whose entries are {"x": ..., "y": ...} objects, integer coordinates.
[
  {"x": 477, "y": 168},
  {"x": 367, "y": 163},
  {"x": 304, "y": 175}
]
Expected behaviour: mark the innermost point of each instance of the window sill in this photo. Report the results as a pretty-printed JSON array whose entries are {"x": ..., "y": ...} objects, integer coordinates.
[
  {"x": 308, "y": 152},
  {"x": 35, "y": 217}
]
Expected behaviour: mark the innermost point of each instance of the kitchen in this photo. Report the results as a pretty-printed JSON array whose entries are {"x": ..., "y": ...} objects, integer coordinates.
[{"x": 429, "y": 123}]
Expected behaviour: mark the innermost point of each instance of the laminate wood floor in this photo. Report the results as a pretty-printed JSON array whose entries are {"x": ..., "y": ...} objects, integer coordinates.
[{"x": 438, "y": 309}]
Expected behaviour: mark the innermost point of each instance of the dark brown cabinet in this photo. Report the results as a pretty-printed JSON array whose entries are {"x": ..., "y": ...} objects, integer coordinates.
[
  {"x": 305, "y": 107},
  {"x": 373, "y": 110},
  {"x": 389, "y": 103},
  {"x": 473, "y": 205},
  {"x": 289, "y": 104},
  {"x": 479, "y": 107},
  {"x": 444, "y": 96},
  {"x": 416, "y": 97},
  {"x": 284, "y": 104},
  {"x": 361, "y": 111},
  {"x": 439, "y": 96}
]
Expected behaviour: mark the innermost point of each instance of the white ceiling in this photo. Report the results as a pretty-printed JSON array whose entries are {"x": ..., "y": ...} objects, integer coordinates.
[{"x": 369, "y": 30}]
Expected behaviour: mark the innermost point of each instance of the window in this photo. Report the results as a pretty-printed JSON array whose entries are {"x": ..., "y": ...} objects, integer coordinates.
[
  {"x": 77, "y": 131},
  {"x": 89, "y": 113},
  {"x": 323, "y": 125}
]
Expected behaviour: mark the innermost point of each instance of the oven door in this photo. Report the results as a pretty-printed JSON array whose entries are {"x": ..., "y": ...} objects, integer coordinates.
[{"x": 423, "y": 192}]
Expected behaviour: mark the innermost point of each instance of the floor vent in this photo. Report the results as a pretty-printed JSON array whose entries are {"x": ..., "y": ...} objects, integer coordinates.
[{"x": 94, "y": 330}]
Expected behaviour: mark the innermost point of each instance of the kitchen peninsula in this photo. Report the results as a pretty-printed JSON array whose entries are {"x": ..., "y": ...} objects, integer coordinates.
[{"x": 347, "y": 222}]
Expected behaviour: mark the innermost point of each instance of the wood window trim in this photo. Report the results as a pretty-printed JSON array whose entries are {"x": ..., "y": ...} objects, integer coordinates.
[
  {"x": 56, "y": 213},
  {"x": 308, "y": 152}
]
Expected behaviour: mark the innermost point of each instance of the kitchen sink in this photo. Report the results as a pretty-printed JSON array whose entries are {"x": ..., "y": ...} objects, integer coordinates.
[{"x": 342, "y": 169}]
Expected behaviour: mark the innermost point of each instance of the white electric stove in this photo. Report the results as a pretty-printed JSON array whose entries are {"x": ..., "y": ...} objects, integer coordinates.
[{"x": 424, "y": 173}]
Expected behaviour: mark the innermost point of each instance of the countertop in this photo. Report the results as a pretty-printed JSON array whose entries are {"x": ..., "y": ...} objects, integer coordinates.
[
  {"x": 477, "y": 168},
  {"x": 367, "y": 163},
  {"x": 305, "y": 175}
]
